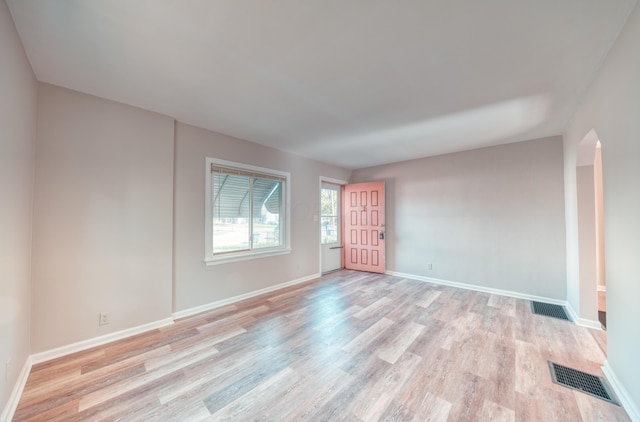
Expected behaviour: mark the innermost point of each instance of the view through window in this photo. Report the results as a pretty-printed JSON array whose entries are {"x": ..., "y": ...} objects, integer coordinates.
[
  {"x": 247, "y": 210},
  {"x": 329, "y": 215}
]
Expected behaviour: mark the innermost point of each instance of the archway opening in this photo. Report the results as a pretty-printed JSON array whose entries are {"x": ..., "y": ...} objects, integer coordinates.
[{"x": 589, "y": 176}]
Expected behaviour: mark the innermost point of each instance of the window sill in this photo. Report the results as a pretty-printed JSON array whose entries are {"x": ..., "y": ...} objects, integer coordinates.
[{"x": 245, "y": 256}]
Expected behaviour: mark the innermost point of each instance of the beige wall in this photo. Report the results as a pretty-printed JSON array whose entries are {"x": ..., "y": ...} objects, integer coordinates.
[
  {"x": 18, "y": 98},
  {"x": 601, "y": 276},
  {"x": 492, "y": 217},
  {"x": 197, "y": 284},
  {"x": 104, "y": 221},
  {"x": 102, "y": 217},
  {"x": 612, "y": 107}
]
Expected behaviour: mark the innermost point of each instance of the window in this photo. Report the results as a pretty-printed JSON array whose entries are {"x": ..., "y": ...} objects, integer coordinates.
[
  {"x": 247, "y": 212},
  {"x": 329, "y": 198}
]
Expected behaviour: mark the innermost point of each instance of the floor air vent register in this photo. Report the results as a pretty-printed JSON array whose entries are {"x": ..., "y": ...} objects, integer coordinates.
[
  {"x": 582, "y": 381},
  {"x": 547, "y": 309}
]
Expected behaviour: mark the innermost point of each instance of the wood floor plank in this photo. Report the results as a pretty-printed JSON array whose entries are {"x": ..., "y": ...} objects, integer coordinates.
[
  {"x": 467, "y": 401},
  {"x": 428, "y": 298},
  {"x": 143, "y": 343},
  {"x": 212, "y": 374},
  {"x": 398, "y": 345},
  {"x": 368, "y": 370},
  {"x": 71, "y": 392},
  {"x": 494, "y": 412},
  {"x": 307, "y": 396},
  {"x": 373, "y": 400},
  {"x": 171, "y": 365},
  {"x": 349, "y": 346},
  {"x": 45, "y": 371},
  {"x": 118, "y": 407},
  {"x": 256, "y": 401},
  {"x": 432, "y": 408},
  {"x": 364, "y": 339},
  {"x": 372, "y": 309},
  {"x": 598, "y": 410},
  {"x": 64, "y": 411},
  {"x": 192, "y": 411},
  {"x": 396, "y": 412}
]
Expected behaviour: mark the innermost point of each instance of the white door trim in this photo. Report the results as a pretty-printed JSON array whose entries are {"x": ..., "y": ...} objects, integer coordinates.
[{"x": 335, "y": 182}]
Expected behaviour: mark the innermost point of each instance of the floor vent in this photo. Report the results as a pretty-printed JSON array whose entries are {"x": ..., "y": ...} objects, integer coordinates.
[
  {"x": 581, "y": 381},
  {"x": 547, "y": 309}
]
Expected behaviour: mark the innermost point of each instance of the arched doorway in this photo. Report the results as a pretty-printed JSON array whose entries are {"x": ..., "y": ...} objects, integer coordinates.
[{"x": 591, "y": 229}]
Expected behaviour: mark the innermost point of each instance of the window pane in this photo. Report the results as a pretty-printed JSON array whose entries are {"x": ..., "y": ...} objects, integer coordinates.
[
  {"x": 231, "y": 204},
  {"x": 329, "y": 216},
  {"x": 329, "y": 202},
  {"x": 267, "y": 216},
  {"x": 329, "y": 230}
]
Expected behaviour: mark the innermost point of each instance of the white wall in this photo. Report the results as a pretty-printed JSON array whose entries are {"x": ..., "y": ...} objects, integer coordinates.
[
  {"x": 599, "y": 197},
  {"x": 197, "y": 284},
  {"x": 491, "y": 217},
  {"x": 585, "y": 182},
  {"x": 104, "y": 223},
  {"x": 612, "y": 108},
  {"x": 18, "y": 96},
  {"x": 102, "y": 217}
]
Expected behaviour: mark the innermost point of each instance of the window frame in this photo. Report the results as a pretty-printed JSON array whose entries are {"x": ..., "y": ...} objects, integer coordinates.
[{"x": 214, "y": 259}]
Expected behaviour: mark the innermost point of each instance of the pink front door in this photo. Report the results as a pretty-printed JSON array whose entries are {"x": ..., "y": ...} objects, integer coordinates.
[{"x": 364, "y": 227}]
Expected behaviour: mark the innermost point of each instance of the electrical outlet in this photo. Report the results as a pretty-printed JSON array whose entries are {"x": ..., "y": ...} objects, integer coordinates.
[
  {"x": 104, "y": 319},
  {"x": 429, "y": 266}
]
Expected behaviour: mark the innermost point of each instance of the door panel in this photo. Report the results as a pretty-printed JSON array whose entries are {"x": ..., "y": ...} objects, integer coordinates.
[
  {"x": 330, "y": 227},
  {"x": 364, "y": 223}
]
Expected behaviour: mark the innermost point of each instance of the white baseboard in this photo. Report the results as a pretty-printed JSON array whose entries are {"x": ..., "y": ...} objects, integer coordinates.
[
  {"x": 219, "y": 303},
  {"x": 11, "y": 405},
  {"x": 97, "y": 341},
  {"x": 595, "y": 325},
  {"x": 583, "y": 322},
  {"x": 572, "y": 312},
  {"x": 477, "y": 288},
  {"x": 118, "y": 335},
  {"x": 623, "y": 395}
]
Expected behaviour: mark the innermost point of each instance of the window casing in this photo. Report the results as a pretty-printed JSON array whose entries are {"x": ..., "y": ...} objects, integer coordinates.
[{"x": 247, "y": 212}]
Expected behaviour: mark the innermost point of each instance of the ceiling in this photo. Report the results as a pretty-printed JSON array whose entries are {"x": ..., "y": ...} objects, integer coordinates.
[{"x": 350, "y": 82}]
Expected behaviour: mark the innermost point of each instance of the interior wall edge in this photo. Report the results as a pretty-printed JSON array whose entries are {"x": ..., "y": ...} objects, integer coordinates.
[
  {"x": 584, "y": 322},
  {"x": 18, "y": 118},
  {"x": 620, "y": 391},
  {"x": 14, "y": 398}
]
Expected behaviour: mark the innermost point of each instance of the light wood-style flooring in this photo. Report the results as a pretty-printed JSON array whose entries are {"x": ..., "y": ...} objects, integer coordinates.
[{"x": 348, "y": 347}]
